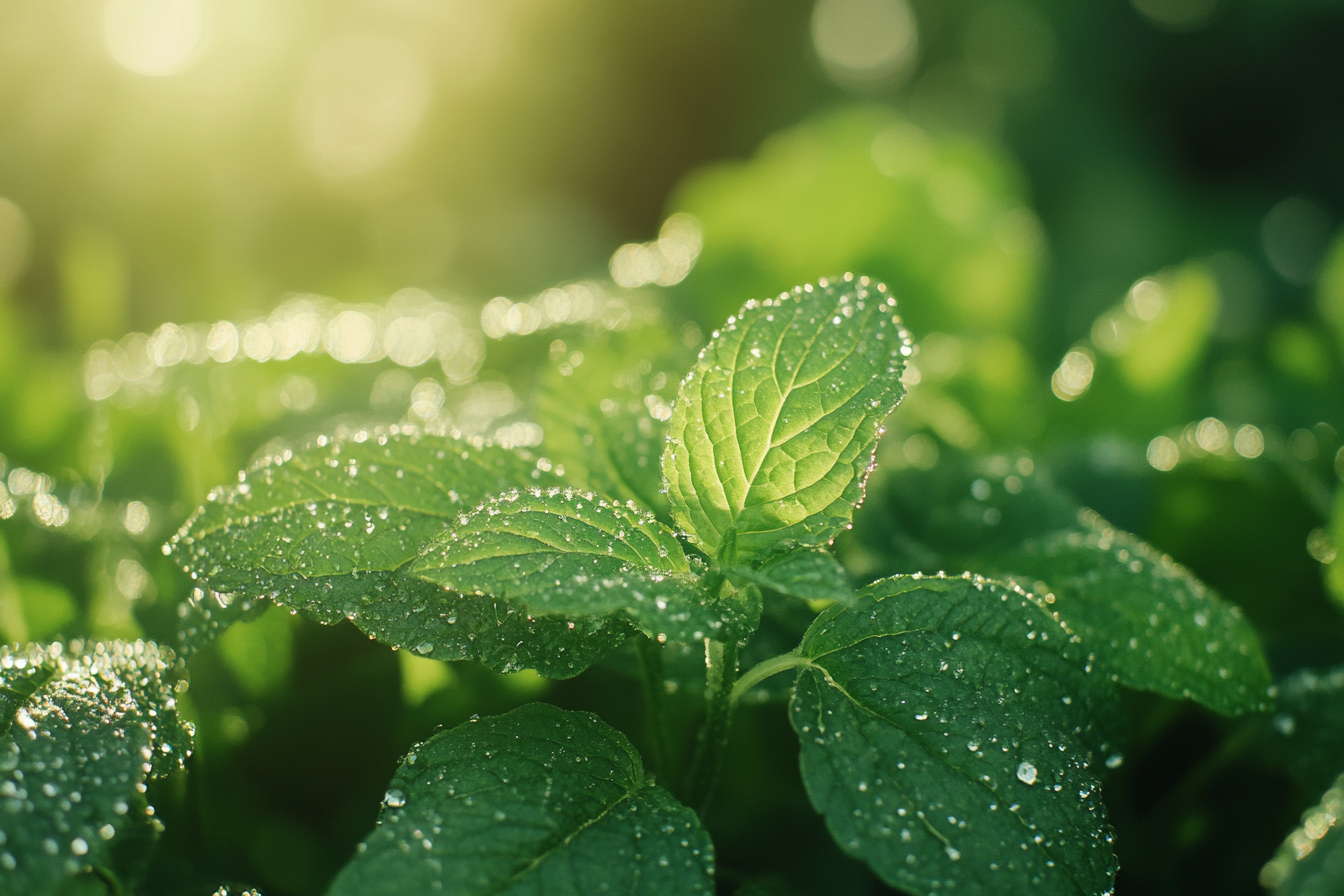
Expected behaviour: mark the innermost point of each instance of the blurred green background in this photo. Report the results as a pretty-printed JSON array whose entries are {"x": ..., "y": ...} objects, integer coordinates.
[{"x": 227, "y": 225}]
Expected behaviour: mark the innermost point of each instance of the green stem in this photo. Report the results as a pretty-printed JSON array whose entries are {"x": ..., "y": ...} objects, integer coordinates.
[
  {"x": 764, "y": 670},
  {"x": 720, "y": 674},
  {"x": 651, "y": 662}
]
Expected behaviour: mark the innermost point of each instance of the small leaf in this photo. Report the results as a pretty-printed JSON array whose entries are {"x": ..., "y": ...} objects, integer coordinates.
[
  {"x": 85, "y": 731},
  {"x": 570, "y": 553},
  {"x": 1148, "y": 620},
  {"x": 774, "y": 429},
  {"x": 947, "y": 730},
  {"x": 803, "y": 572},
  {"x": 1311, "y": 861},
  {"x": 324, "y": 529},
  {"x": 537, "y": 801},
  {"x": 604, "y": 407}
]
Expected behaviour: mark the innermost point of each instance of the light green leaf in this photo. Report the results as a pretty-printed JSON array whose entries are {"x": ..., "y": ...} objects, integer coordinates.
[
  {"x": 536, "y": 801},
  {"x": 604, "y": 407},
  {"x": 324, "y": 529},
  {"x": 774, "y": 429},
  {"x": 571, "y": 553},
  {"x": 1311, "y": 861},
  {"x": 1148, "y": 620},
  {"x": 948, "y": 729},
  {"x": 803, "y": 572},
  {"x": 84, "y": 727}
]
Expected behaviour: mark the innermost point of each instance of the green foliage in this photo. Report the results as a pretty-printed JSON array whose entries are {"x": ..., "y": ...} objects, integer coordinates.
[
  {"x": 538, "y": 800},
  {"x": 1311, "y": 860}
]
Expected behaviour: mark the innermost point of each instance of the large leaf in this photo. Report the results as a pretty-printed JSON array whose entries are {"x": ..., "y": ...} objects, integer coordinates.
[
  {"x": 774, "y": 429},
  {"x": 84, "y": 728},
  {"x": 604, "y": 407},
  {"x": 1311, "y": 861},
  {"x": 1149, "y": 622},
  {"x": 571, "y": 553},
  {"x": 948, "y": 729},
  {"x": 536, "y": 801},
  {"x": 324, "y": 529}
]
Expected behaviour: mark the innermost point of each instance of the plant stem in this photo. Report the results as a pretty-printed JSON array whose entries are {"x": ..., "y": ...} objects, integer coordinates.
[
  {"x": 651, "y": 662},
  {"x": 720, "y": 674},
  {"x": 761, "y": 671}
]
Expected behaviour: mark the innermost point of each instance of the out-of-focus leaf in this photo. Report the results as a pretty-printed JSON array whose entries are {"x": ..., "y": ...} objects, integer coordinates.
[
  {"x": 1307, "y": 730},
  {"x": 774, "y": 428},
  {"x": 561, "y": 552},
  {"x": 1311, "y": 861},
  {"x": 604, "y": 407},
  {"x": 537, "y": 801},
  {"x": 948, "y": 730},
  {"x": 84, "y": 727}
]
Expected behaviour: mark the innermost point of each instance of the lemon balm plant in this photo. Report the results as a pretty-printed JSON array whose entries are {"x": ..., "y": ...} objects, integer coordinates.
[{"x": 953, "y": 730}]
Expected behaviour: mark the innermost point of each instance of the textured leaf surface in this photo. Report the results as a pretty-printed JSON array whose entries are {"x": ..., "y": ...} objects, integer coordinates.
[
  {"x": 1311, "y": 860},
  {"x": 566, "y": 552},
  {"x": 809, "y": 574},
  {"x": 1148, "y": 621},
  {"x": 324, "y": 529},
  {"x": 947, "y": 730},
  {"x": 536, "y": 801},
  {"x": 774, "y": 429},
  {"x": 604, "y": 407},
  {"x": 85, "y": 728}
]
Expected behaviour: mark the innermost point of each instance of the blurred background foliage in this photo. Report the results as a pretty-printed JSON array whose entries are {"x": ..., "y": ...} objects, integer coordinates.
[{"x": 225, "y": 226}]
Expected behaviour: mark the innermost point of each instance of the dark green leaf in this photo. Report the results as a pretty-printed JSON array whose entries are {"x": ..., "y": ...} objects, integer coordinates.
[
  {"x": 324, "y": 529},
  {"x": 1311, "y": 861},
  {"x": 948, "y": 729},
  {"x": 604, "y": 407},
  {"x": 85, "y": 734},
  {"x": 570, "y": 553},
  {"x": 774, "y": 429},
  {"x": 536, "y": 801},
  {"x": 803, "y": 572},
  {"x": 1307, "y": 731}
]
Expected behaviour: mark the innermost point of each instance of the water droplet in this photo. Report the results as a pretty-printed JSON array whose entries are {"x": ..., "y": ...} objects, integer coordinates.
[
  {"x": 396, "y": 799},
  {"x": 1026, "y": 773}
]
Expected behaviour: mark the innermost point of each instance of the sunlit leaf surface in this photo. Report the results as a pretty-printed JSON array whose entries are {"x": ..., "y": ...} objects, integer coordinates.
[
  {"x": 537, "y": 801},
  {"x": 948, "y": 731},
  {"x": 1311, "y": 861},
  {"x": 774, "y": 429}
]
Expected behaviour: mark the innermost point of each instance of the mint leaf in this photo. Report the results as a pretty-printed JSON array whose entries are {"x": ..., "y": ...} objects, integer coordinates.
[
  {"x": 803, "y": 572},
  {"x": 86, "y": 726},
  {"x": 324, "y": 529},
  {"x": 1149, "y": 621},
  {"x": 604, "y": 407},
  {"x": 571, "y": 553},
  {"x": 947, "y": 730},
  {"x": 1311, "y": 861},
  {"x": 774, "y": 429},
  {"x": 536, "y": 801}
]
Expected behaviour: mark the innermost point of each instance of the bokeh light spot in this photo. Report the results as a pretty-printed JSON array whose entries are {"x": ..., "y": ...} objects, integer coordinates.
[
  {"x": 154, "y": 37},
  {"x": 864, "y": 40}
]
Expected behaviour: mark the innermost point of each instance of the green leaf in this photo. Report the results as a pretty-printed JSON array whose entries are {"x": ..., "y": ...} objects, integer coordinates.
[
  {"x": 1149, "y": 622},
  {"x": 1152, "y": 624},
  {"x": 1306, "y": 733},
  {"x": 604, "y": 407},
  {"x": 947, "y": 730},
  {"x": 537, "y": 801},
  {"x": 774, "y": 429},
  {"x": 1311, "y": 861},
  {"x": 803, "y": 572},
  {"x": 571, "y": 553},
  {"x": 324, "y": 529},
  {"x": 86, "y": 727}
]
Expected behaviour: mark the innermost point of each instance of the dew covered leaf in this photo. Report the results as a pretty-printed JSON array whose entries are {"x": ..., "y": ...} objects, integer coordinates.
[
  {"x": 1306, "y": 731},
  {"x": 948, "y": 731},
  {"x": 538, "y": 801},
  {"x": 570, "y": 553},
  {"x": 323, "y": 530},
  {"x": 810, "y": 574},
  {"x": 1148, "y": 621},
  {"x": 85, "y": 727},
  {"x": 1311, "y": 861},
  {"x": 774, "y": 428},
  {"x": 604, "y": 406}
]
